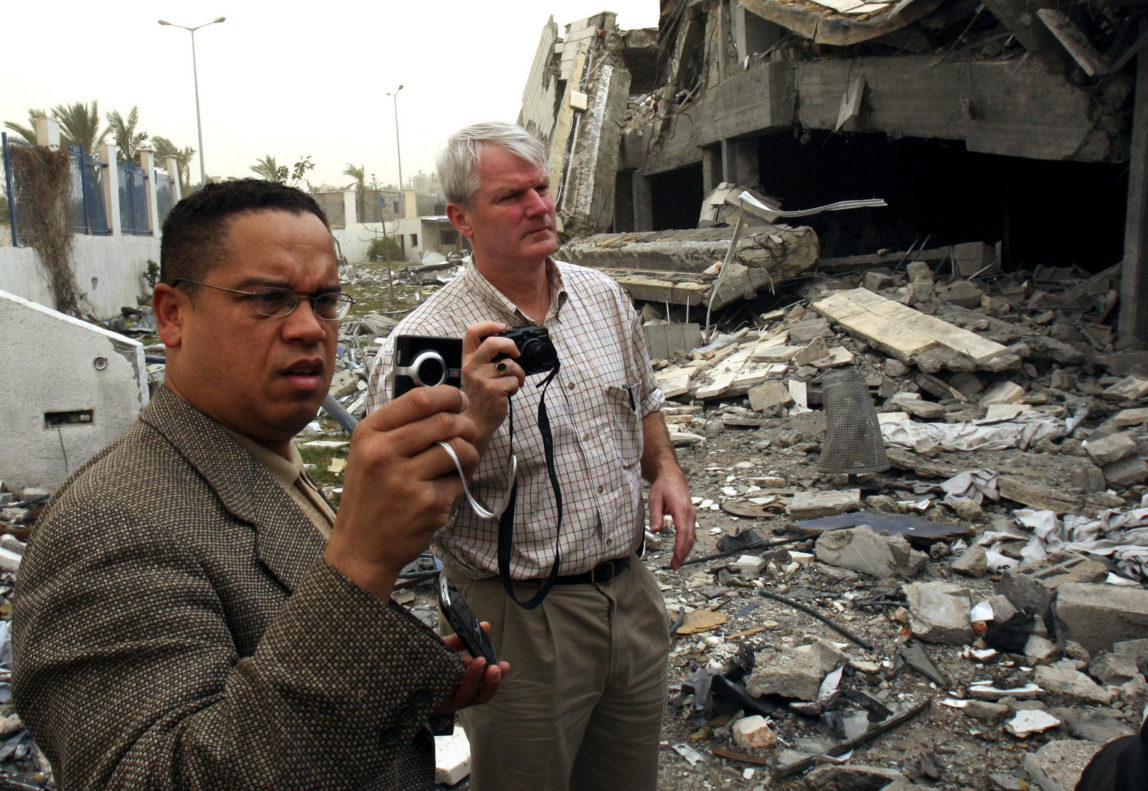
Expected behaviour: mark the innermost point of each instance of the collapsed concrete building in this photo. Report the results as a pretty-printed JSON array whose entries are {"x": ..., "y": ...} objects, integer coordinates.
[{"x": 1016, "y": 123}]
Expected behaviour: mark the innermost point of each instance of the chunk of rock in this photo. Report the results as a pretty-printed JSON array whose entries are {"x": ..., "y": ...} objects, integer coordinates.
[
  {"x": 939, "y": 612},
  {"x": 852, "y": 778},
  {"x": 1057, "y": 766},
  {"x": 753, "y": 731},
  {"x": 1096, "y": 616},
  {"x": 860, "y": 549},
  {"x": 1065, "y": 680},
  {"x": 812, "y": 505},
  {"x": 795, "y": 673},
  {"x": 1113, "y": 668},
  {"x": 986, "y": 711},
  {"x": 973, "y": 562}
]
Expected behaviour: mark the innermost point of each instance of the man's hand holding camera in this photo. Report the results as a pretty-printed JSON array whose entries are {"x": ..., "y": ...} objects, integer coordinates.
[
  {"x": 487, "y": 380},
  {"x": 399, "y": 485}
]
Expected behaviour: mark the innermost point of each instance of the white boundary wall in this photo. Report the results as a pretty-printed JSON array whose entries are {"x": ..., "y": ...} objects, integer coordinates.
[{"x": 109, "y": 272}]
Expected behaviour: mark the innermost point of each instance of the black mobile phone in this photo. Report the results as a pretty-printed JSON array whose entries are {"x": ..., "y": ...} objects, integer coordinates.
[
  {"x": 421, "y": 361},
  {"x": 462, "y": 620}
]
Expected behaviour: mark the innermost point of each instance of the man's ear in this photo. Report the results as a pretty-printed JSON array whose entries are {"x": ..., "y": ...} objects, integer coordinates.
[
  {"x": 458, "y": 218},
  {"x": 170, "y": 305}
]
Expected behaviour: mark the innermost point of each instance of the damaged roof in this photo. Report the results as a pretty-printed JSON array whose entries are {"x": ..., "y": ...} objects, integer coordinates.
[{"x": 841, "y": 22}]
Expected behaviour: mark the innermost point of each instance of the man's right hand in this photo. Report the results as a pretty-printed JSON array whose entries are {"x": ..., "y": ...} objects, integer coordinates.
[
  {"x": 399, "y": 485},
  {"x": 488, "y": 383}
]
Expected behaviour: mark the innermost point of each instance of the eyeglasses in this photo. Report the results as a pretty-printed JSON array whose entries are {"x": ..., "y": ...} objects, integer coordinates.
[{"x": 277, "y": 302}]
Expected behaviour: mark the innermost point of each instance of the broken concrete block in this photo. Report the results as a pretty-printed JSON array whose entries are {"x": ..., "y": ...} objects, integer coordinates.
[
  {"x": 1037, "y": 495},
  {"x": 1130, "y": 388},
  {"x": 1096, "y": 616},
  {"x": 986, "y": 711},
  {"x": 794, "y": 673},
  {"x": 1114, "y": 669},
  {"x": 753, "y": 732},
  {"x": 1029, "y": 721},
  {"x": 662, "y": 340},
  {"x": 749, "y": 565},
  {"x": 860, "y": 549},
  {"x": 452, "y": 757},
  {"x": 1126, "y": 472},
  {"x": 939, "y": 612},
  {"x": 1039, "y": 650},
  {"x": 768, "y": 396},
  {"x": 895, "y": 368},
  {"x": 811, "y": 505},
  {"x": 815, "y": 350},
  {"x": 1131, "y": 417},
  {"x": 876, "y": 281},
  {"x": 809, "y": 329},
  {"x": 919, "y": 407},
  {"x": 853, "y": 778},
  {"x": 1032, "y": 588},
  {"x": 1065, "y": 680},
  {"x": 974, "y": 259},
  {"x": 919, "y": 272},
  {"x": 973, "y": 562},
  {"x": 964, "y": 293},
  {"x": 1112, "y": 448},
  {"x": 1057, "y": 766},
  {"x": 1002, "y": 393}
]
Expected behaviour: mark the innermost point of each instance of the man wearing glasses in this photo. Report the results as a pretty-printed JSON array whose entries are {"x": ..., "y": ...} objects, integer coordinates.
[{"x": 190, "y": 612}]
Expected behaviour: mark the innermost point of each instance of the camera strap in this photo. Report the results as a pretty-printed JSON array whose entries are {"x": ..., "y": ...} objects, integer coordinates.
[{"x": 506, "y": 521}]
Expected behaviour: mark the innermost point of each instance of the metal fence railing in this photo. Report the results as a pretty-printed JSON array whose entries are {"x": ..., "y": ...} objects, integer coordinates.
[
  {"x": 87, "y": 198},
  {"x": 133, "y": 199},
  {"x": 164, "y": 194},
  {"x": 9, "y": 190}
]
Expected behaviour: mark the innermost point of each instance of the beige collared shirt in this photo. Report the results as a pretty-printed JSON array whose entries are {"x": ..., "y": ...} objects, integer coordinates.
[
  {"x": 293, "y": 477},
  {"x": 596, "y": 403}
]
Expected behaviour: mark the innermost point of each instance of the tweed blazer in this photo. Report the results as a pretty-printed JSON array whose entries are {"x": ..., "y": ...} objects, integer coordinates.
[{"x": 175, "y": 627}]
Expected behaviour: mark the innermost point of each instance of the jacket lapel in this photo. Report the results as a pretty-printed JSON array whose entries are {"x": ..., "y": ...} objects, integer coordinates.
[{"x": 287, "y": 543}]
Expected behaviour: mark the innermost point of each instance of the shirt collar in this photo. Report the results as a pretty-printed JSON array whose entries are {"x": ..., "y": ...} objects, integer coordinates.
[{"x": 477, "y": 284}]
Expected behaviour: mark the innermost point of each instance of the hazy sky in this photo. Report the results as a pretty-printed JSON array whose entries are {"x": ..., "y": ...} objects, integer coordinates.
[{"x": 288, "y": 78}]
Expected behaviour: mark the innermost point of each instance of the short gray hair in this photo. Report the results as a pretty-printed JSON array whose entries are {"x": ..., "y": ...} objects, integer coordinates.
[{"x": 458, "y": 162}]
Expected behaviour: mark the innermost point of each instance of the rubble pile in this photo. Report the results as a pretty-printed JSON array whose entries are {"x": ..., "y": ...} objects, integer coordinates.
[{"x": 975, "y": 616}]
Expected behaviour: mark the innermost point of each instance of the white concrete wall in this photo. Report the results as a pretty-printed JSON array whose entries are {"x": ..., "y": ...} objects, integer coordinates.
[
  {"x": 353, "y": 242},
  {"x": 109, "y": 271},
  {"x": 64, "y": 365}
]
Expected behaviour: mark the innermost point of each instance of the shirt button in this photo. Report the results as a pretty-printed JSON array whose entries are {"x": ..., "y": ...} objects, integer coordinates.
[
  {"x": 571, "y": 385},
  {"x": 405, "y": 714},
  {"x": 390, "y": 737},
  {"x": 600, "y": 489},
  {"x": 421, "y": 697},
  {"x": 586, "y": 436}
]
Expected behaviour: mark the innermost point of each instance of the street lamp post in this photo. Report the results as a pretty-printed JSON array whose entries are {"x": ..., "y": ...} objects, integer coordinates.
[
  {"x": 398, "y": 149},
  {"x": 195, "y": 78}
]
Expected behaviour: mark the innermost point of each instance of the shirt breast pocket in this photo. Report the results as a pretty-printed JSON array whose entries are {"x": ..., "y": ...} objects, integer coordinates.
[{"x": 625, "y": 425}]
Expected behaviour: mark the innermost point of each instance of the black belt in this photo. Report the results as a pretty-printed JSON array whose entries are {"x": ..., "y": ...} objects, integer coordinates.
[{"x": 603, "y": 572}]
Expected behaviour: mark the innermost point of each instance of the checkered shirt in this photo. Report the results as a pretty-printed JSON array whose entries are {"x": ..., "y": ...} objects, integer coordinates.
[{"x": 603, "y": 389}]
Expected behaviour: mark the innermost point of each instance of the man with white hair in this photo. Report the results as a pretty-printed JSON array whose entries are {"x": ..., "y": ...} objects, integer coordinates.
[{"x": 571, "y": 605}]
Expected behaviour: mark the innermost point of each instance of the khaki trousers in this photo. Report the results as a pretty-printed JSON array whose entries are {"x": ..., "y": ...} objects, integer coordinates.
[{"x": 582, "y": 705}]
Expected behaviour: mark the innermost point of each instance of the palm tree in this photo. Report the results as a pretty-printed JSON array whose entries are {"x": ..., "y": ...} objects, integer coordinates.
[
  {"x": 123, "y": 130},
  {"x": 27, "y": 132},
  {"x": 80, "y": 125},
  {"x": 359, "y": 174},
  {"x": 266, "y": 168},
  {"x": 183, "y": 157}
]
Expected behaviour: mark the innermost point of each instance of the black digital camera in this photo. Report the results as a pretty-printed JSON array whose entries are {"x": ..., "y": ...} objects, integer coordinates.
[
  {"x": 536, "y": 351},
  {"x": 425, "y": 362}
]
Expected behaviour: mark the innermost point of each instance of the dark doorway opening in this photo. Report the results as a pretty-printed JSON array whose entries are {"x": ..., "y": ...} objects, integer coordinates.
[
  {"x": 1043, "y": 213},
  {"x": 676, "y": 198}
]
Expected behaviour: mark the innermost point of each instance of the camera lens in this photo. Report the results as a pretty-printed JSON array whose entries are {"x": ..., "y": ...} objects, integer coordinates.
[
  {"x": 428, "y": 369},
  {"x": 538, "y": 355}
]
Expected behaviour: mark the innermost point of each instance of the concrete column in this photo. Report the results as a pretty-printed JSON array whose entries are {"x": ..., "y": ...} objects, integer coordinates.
[
  {"x": 1132, "y": 325},
  {"x": 171, "y": 165},
  {"x": 147, "y": 162},
  {"x": 111, "y": 188},
  {"x": 711, "y": 167},
  {"x": 740, "y": 162},
  {"x": 350, "y": 213},
  {"x": 47, "y": 132},
  {"x": 410, "y": 203},
  {"x": 643, "y": 203}
]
